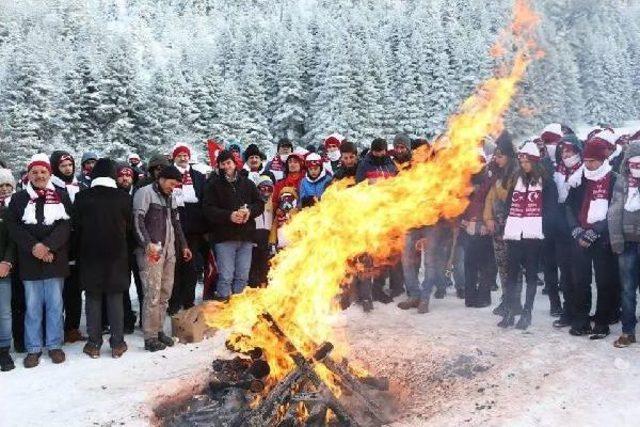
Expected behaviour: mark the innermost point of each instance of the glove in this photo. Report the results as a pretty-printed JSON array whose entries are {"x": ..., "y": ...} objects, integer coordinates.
[
  {"x": 576, "y": 233},
  {"x": 590, "y": 236}
]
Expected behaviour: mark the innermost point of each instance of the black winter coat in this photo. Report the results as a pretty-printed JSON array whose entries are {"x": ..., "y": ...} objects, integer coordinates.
[
  {"x": 221, "y": 198},
  {"x": 102, "y": 223},
  {"x": 191, "y": 217},
  {"x": 55, "y": 236},
  {"x": 573, "y": 205}
]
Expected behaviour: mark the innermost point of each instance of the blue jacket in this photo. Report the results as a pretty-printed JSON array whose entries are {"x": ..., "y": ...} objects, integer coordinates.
[
  {"x": 368, "y": 169},
  {"x": 310, "y": 189}
]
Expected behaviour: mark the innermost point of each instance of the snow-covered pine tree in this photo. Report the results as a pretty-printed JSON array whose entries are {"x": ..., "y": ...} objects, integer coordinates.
[
  {"x": 289, "y": 114},
  {"x": 253, "y": 108}
]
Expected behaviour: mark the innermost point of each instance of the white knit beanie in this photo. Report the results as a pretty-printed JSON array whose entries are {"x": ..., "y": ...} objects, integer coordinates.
[{"x": 6, "y": 177}]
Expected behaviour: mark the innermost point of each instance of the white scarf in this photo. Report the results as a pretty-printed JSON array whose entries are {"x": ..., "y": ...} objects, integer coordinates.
[
  {"x": 599, "y": 207},
  {"x": 616, "y": 153},
  {"x": 524, "y": 224},
  {"x": 54, "y": 209},
  {"x": 72, "y": 189},
  {"x": 104, "y": 181},
  {"x": 254, "y": 175},
  {"x": 632, "y": 204},
  {"x": 185, "y": 194}
]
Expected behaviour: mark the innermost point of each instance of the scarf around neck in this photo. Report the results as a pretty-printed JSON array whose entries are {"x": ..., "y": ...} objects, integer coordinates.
[
  {"x": 54, "y": 209},
  {"x": 525, "y": 216},
  {"x": 185, "y": 192},
  {"x": 595, "y": 203}
]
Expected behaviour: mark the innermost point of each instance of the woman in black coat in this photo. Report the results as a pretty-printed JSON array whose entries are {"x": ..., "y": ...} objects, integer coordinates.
[{"x": 102, "y": 220}]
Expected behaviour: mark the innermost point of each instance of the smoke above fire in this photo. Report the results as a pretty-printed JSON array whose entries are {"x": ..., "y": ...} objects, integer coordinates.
[{"x": 327, "y": 239}]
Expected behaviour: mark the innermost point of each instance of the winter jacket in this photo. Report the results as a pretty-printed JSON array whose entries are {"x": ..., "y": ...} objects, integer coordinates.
[
  {"x": 624, "y": 226},
  {"x": 55, "y": 236},
  {"x": 496, "y": 201},
  {"x": 368, "y": 169},
  {"x": 221, "y": 198},
  {"x": 573, "y": 205},
  {"x": 191, "y": 217},
  {"x": 102, "y": 222},
  {"x": 310, "y": 189},
  {"x": 156, "y": 218},
  {"x": 7, "y": 246},
  {"x": 551, "y": 212},
  {"x": 344, "y": 172}
]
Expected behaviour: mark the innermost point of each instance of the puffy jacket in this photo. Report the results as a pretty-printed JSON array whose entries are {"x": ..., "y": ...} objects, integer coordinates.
[
  {"x": 624, "y": 226},
  {"x": 156, "y": 218},
  {"x": 310, "y": 189},
  {"x": 368, "y": 169}
]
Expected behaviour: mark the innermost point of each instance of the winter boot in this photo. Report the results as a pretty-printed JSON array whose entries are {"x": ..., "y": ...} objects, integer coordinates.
[
  {"x": 57, "y": 356},
  {"x": 382, "y": 297},
  {"x": 166, "y": 340},
  {"x": 440, "y": 293},
  {"x": 118, "y": 350},
  {"x": 423, "y": 307},
  {"x": 460, "y": 293},
  {"x": 561, "y": 323},
  {"x": 556, "y": 309},
  {"x": 507, "y": 320},
  {"x": 600, "y": 332},
  {"x": 500, "y": 310},
  {"x": 32, "y": 360},
  {"x": 625, "y": 340},
  {"x": 525, "y": 321},
  {"x": 409, "y": 304},
  {"x": 153, "y": 345},
  {"x": 6, "y": 362},
  {"x": 92, "y": 350},
  {"x": 367, "y": 305},
  {"x": 580, "y": 332}
]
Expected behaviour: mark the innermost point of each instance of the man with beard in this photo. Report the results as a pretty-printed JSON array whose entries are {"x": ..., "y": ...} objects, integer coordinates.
[
  {"x": 87, "y": 163},
  {"x": 402, "y": 151},
  {"x": 63, "y": 177},
  {"x": 254, "y": 165}
]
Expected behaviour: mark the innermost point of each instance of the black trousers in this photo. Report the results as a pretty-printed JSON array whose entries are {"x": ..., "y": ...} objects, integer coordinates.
[
  {"x": 72, "y": 300},
  {"x": 525, "y": 254},
  {"x": 479, "y": 270},
  {"x": 396, "y": 280},
  {"x": 115, "y": 314},
  {"x": 605, "y": 266},
  {"x": 185, "y": 279},
  {"x": 18, "y": 310},
  {"x": 260, "y": 259},
  {"x": 129, "y": 315}
]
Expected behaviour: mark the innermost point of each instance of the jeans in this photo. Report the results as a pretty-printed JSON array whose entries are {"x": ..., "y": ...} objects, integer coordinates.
[
  {"x": 234, "y": 263},
  {"x": 628, "y": 263},
  {"x": 5, "y": 312},
  {"x": 43, "y": 295},
  {"x": 411, "y": 259}
]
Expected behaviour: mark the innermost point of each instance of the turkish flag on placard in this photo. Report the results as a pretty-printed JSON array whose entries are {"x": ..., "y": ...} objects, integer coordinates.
[{"x": 213, "y": 148}]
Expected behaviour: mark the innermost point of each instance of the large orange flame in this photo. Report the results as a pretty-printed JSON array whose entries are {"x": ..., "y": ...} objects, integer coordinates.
[{"x": 373, "y": 219}]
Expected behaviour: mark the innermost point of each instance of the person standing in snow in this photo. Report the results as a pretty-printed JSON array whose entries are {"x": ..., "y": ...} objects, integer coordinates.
[
  {"x": 188, "y": 195},
  {"x": 264, "y": 223},
  {"x": 63, "y": 177},
  {"x": 38, "y": 219},
  {"x": 89, "y": 159},
  {"x": 7, "y": 263},
  {"x": 254, "y": 165},
  {"x": 159, "y": 235},
  {"x": 315, "y": 181},
  {"x": 624, "y": 235},
  {"x": 103, "y": 214},
  {"x": 277, "y": 165},
  {"x": 231, "y": 204},
  {"x": 533, "y": 209},
  {"x": 332, "y": 151},
  {"x": 587, "y": 206}
]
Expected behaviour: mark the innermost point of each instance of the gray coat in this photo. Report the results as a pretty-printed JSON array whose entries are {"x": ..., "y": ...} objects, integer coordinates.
[{"x": 624, "y": 226}]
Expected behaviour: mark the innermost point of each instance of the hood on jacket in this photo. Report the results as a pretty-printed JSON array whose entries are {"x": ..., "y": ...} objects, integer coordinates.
[
  {"x": 569, "y": 139},
  {"x": 632, "y": 150},
  {"x": 55, "y": 159},
  {"x": 89, "y": 155}
]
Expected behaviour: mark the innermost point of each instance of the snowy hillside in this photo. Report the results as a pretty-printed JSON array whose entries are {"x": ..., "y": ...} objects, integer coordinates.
[{"x": 115, "y": 76}]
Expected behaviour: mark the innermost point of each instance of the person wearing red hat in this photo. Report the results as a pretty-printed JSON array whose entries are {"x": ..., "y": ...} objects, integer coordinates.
[
  {"x": 189, "y": 195},
  {"x": 533, "y": 209},
  {"x": 38, "y": 220},
  {"x": 612, "y": 149},
  {"x": 332, "y": 150},
  {"x": 587, "y": 207}
]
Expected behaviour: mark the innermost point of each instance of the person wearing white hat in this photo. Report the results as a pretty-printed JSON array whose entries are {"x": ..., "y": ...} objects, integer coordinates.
[{"x": 38, "y": 221}]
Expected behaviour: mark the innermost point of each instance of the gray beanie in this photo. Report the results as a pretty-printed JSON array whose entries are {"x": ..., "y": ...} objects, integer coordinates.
[{"x": 6, "y": 177}]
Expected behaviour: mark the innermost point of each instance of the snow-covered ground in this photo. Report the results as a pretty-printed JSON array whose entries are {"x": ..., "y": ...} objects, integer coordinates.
[{"x": 450, "y": 367}]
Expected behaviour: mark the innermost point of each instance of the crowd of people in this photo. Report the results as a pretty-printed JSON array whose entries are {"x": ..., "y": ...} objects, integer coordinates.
[{"x": 556, "y": 204}]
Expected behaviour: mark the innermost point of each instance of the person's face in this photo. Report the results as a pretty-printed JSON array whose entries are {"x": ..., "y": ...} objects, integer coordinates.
[
  {"x": 182, "y": 160},
  {"x": 294, "y": 165},
  {"x": 167, "y": 185},
  {"x": 400, "y": 149},
  {"x": 265, "y": 191},
  {"x": 254, "y": 162},
  {"x": 39, "y": 176},
  {"x": 314, "y": 171},
  {"x": 348, "y": 160},
  {"x": 592, "y": 164},
  {"x": 228, "y": 167},
  {"x": 88, "y": 165},
  {"x": 134, "y": 162},
  {"x": 285, "y": 151},
  {"x": 501, "y": 160},
  {"x": 125, "y": 182},
  {"x": 378, "y": 153},
  {"x": 156, "y": 172},
  {"x": 525, "y": 165},
  {"x": 66, "y": 167},
  {"x": 332, "y": 149},
  {"x": 568, "y": 152},
  {"x": 6, "y": 190}
]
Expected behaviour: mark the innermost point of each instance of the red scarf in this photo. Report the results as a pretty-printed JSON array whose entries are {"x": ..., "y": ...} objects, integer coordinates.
[
  {"x": 594, "y": 191},
  {"x": 277, "y": 164},
  {"x": 562, "y": 169},
  {"x": 186, "y": 178},
  {"x": 525, "y": 215}
]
